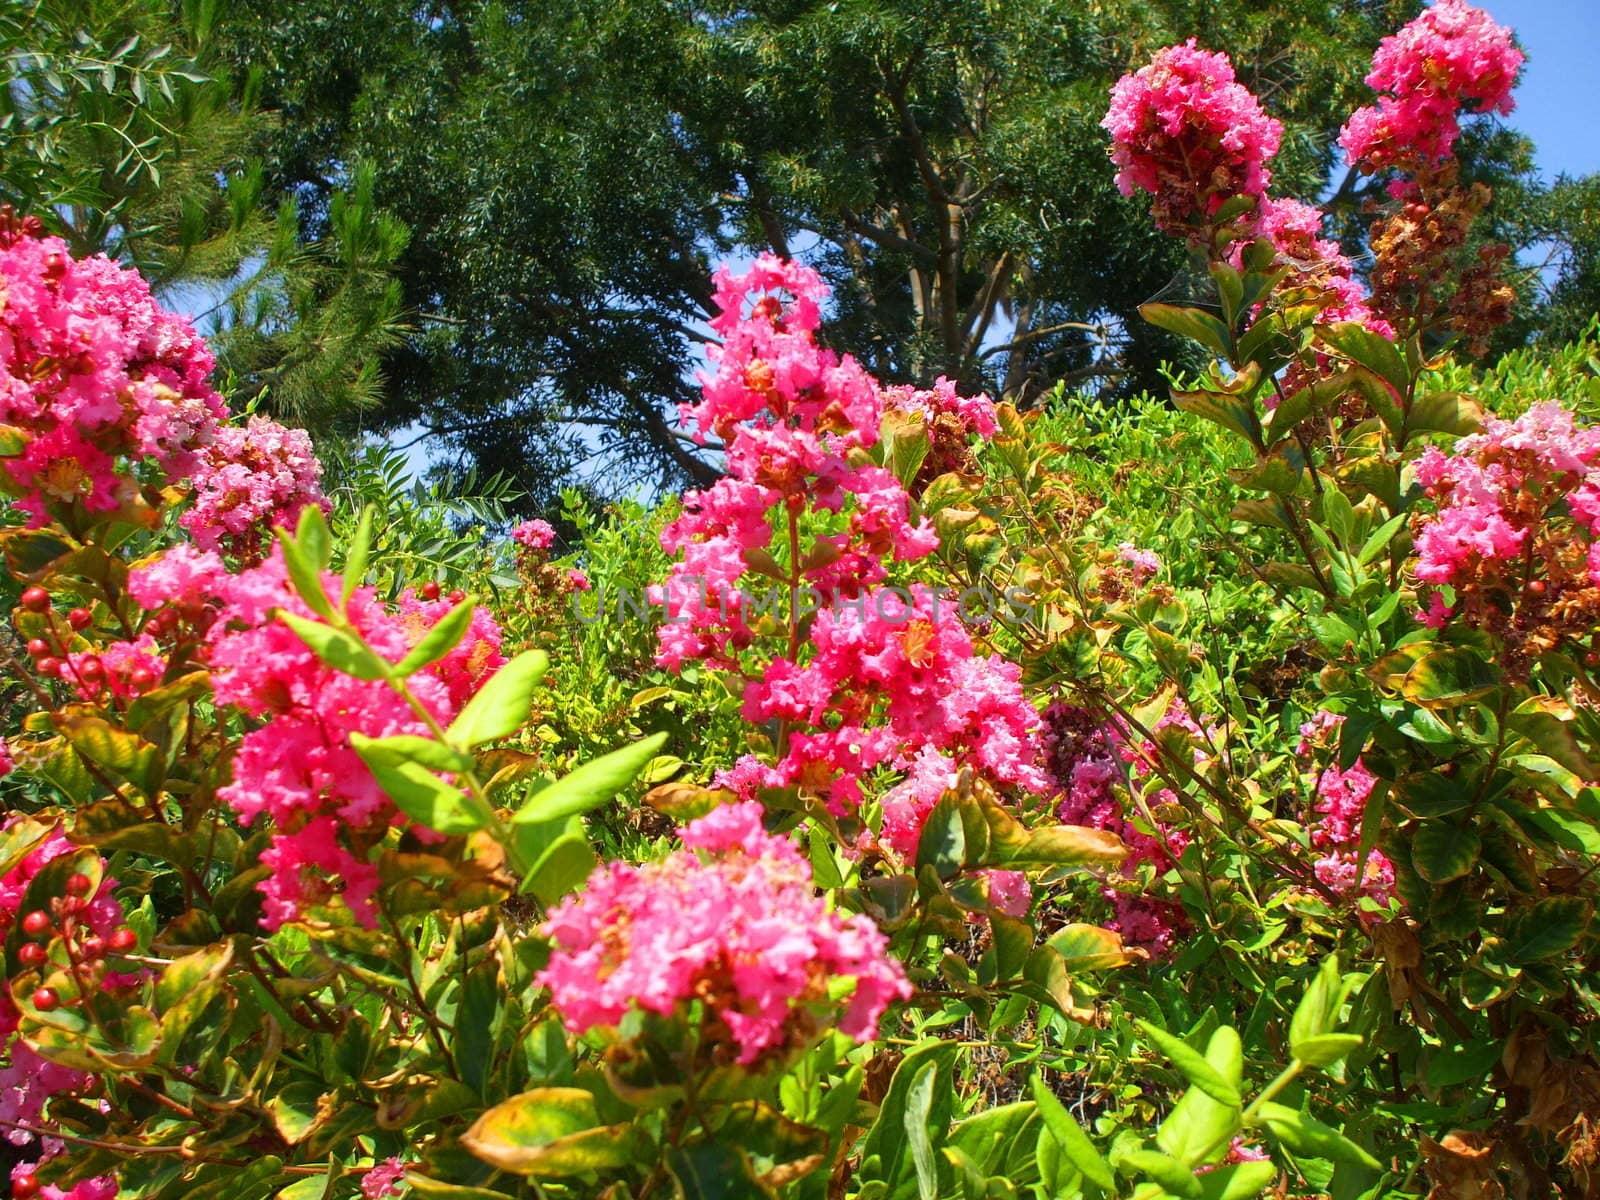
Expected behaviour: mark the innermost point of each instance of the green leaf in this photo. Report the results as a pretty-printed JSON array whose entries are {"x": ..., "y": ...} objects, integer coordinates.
[
  {"x": 342, "y": 651},
  {"x": 406, "y": 747},
  {"x": 1314, "y": 1015},
  {"x": 415, "y": 789},
  {"x": 1449, "y": 677},
  {"x": 305, "y": 555},
  {"x": 713, "y": 1171},
  {"x": 1192, "y": 323},
  {"x": 1199, "y": 1126},
  {"x": 1304, "y": 1134},
  {"x": 553, "y": 1132},
  {"x": 916, "y": 1114},
  {"x": 1193, "y": 1065},
  {"x": 1377, "y": 354},
  {"x": 1441, "y": 852},
  {"x": 560, "y": 864},
  {"x": 1070, "y": 1137},
  {"x": 1379, "y": 538},
  {"x": 502, "y": 705},
  {"x": 943, "y": 843},
  {"x": 1089, "y": 948},
  {"x": 1236, "y": 414},
  {"x": 1242, "y": 1181},
  {"x": 592, "y": 784},
  {"x": 123, "y": 754},
  {"x": 1306, "y": 402},
  {"x": 295, "y": 1109},
  {"x": 1548, "y": 723},
  {"x": 1171, "y": 1174},
  {"x": 1326, "y": 1048},
  {"x": 444, "y": 637},
  {"x": 1543, "y": 930},
  {"x": 1444, "y": 412},
  {"x": 355, "y": 560},
  {"x": 421, "y": 1185}
]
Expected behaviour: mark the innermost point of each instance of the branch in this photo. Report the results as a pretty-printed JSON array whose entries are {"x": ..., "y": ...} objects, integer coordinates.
[
  {"x": 886, "y": 237},
  {"x": 1034, "y": 334}
]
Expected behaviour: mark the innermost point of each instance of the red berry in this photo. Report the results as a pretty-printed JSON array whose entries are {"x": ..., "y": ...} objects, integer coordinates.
[
  {"x": 123, "y": 940},
  {"x": 24, "y": 1186},
  {"x": 38, "y": 647},
  {"x": 89, "y": 668},
  {"x": 32, "y": 954},
  {"x": 141, "y": 679},
  {"x": 46, "y": 999},
  {"x": 430, "y": 590},
  {"x": 48, "y": 667},
  {"x": 37, "y": 922},
  {"x": 457, "y": 596},
  {"x": 79, "y": 884},
  {"x": 94, "y": 947},
  {"x": 1536, "y": 587},
  {"x": 80, "y": 618},
  {"x": 35, "y": 599}
]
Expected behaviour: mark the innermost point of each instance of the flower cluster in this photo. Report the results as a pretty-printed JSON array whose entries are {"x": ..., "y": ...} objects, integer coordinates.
[
  {"x": 1342, "y": 795},
  {"x": 299, "y": 767},
  {"x": 947, "y": 419},
  {"x": 1185, "y": 130},
  {"x": 386, "y": 1179},
  {"x": 1452, "y": 56},
  {"x": 1095, "y": 766},
  {"x": 732, "y": 920},
  {"x": 893, "y": 680},
  {"x": 94, "y": 378},
  {"x": 868, "y": 676},
  {"x": 534, "y": 535},
  {"x": 251, "y": 478},
  {"x": 1319, "y": 272},
  {"x": 1516, "y": 528}
]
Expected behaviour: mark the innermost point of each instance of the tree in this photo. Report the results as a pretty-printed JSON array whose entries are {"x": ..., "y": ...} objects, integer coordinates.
[
  {"x": 572, "y": 172},
  {"x": 118, "y": 131}
]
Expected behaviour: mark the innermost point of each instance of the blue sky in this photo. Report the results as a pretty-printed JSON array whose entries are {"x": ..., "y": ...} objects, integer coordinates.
[{"x": 1556, "y": 101}]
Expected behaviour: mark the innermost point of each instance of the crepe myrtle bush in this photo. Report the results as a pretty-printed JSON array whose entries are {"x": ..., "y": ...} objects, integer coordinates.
[{"x": 320, "y": 880}]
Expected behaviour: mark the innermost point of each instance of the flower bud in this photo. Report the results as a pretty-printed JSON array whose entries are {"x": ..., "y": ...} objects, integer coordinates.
[
  {"x": 36, "y": 923},
  {"x": 35, "y": 599}
]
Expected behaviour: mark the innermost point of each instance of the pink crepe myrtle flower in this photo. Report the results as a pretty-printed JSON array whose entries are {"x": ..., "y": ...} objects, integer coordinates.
[
  {"x": 883, "y": 678},
  {"x": 102, "y": 1187},
  {"x": 252, "y": 478},
  {"x": 1185, "y": 130},
  {"x": 534, "y": 534},
  {"x": 298, "y": 766},
  {"x": 1316, "y": 265},
  {"x": 732, "y": 919},
  {"x": 1094, "y": 764},
  {"x": 1515, "y": 528},
  {"x": 385, "y": 1179},
  {"x": 95, "y": 377},
  {"x": 1452, "y": 58},
  {"x": 1144, "y": 564},
  {"x": 1340, "y": 806}
]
